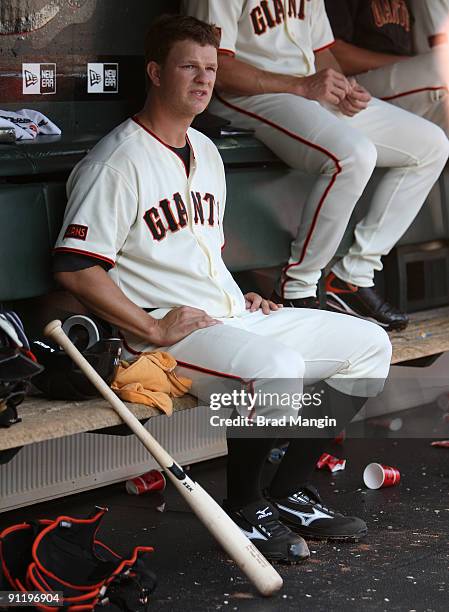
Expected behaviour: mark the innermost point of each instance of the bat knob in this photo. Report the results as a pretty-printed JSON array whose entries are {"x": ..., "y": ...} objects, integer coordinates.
[{"x": 51, "y": 327}]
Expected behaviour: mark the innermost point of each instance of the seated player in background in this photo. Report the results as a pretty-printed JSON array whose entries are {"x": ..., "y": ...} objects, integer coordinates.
[
  {"x": 375, "y": 44},
  {"x": 150, "y": 198},
  {"x": 431, "y": 24},
  {"x": 278, "y": 77}
]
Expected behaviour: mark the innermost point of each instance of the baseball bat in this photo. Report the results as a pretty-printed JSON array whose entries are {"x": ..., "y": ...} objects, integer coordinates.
[{"x": 253, "y": 564}]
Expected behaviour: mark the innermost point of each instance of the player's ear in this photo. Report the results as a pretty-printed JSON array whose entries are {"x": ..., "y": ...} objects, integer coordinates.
[{"x": 154, "y": 73}]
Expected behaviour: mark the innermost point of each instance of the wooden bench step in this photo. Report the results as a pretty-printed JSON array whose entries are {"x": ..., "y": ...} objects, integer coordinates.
[
  {"x": 44, "y": 419},
  {"x": 426, "y": 335}
]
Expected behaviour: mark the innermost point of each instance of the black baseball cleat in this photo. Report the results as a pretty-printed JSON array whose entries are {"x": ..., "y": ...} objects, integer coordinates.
[
  {"x": 307, "y": 302},
  {"x": 305, "y": 513},
  {"x": 363, "y": 302},
  {"x": 260, "y": 523}
]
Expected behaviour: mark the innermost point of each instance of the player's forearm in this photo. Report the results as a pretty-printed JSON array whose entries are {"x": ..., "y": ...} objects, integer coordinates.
[
  {"x": 355, "y": 60},
  {"x": 94, "y": 288},
  {"x": 326, "y": 59},
  {"x": 241, "y": 79}
]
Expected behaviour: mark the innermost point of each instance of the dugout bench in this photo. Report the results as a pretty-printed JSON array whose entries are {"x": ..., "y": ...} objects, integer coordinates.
[{"x": 261, "y": 218}]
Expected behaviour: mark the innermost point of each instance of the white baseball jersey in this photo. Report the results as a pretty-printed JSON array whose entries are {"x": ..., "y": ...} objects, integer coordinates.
[
  {"x": 275, "y": 35},
  {"x": 132, "y": 205},
  {"x": 431, "y": 23},
  {"x": 342, "y": 151}
]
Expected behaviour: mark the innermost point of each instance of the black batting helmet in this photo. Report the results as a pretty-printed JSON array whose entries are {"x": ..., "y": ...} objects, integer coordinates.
[
  {"x": 17, "y": 366},
  {"x": 62, "y": 379}
]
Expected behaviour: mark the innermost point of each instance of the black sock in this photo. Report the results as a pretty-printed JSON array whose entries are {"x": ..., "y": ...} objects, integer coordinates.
[
  {"x": 296, "y": 466},
  {"x": 299, "y": 461},
  {"x": 246, "y": 459}
]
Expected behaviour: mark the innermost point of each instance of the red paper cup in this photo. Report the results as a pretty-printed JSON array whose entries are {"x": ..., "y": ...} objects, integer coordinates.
[
  {"x": 377, "y": 476},
  {"x": 150, "y": 481},
  {"x": 334, "y": 464}
]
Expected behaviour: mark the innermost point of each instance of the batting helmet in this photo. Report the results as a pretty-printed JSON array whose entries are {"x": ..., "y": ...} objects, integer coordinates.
[
  {"x": 17, "y": 366},
  {"x": 62, "y": 379}
]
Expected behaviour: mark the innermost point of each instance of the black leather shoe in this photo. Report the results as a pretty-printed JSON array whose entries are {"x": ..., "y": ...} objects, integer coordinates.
[
  {"x": 306, "y": 514},
  {"x": 307, "y": 302},
  {"x": 260, "y": 523},
  {"x": 363, "y": 302}
]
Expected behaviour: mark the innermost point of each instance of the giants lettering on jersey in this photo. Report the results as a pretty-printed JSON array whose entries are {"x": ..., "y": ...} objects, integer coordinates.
[
  {"x": 391, "y": 11},
  {"x": 76, "y": 231},
  {"x": 271, "y": 13},
  {"x": 172, "y": 215}
]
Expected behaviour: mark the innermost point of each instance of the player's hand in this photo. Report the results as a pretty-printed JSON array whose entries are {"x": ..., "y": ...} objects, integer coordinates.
[
  {"x": 356, "y": 100},
  {"x": 254, "y": 302},
  {"x": 179, "y": 323},
  {"x": 327, "y": 85}
]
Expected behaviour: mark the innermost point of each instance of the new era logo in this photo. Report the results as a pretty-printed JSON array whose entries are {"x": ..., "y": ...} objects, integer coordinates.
[
  {"x": 39, "y": 78},
  {"x": 30, "y": 78},
  {"x": 94, "y": 78},
  {"x": 102, "y": 78}
]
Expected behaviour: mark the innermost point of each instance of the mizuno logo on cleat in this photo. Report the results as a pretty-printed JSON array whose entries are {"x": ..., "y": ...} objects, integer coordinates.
[
  {"x": 254, "y": 534},
  {"x": 264, "y": 513},
  {"x": 306, "y": 518}
]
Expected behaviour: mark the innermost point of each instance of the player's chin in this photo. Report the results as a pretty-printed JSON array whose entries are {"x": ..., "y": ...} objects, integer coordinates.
[{"x": 198, "y": 104}]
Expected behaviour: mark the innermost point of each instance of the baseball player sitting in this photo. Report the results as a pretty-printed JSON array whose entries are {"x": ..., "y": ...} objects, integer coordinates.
[
  {"x": 278, "y": 77},
  {"x": 375, "y": 43},
  {"x": 140, "y": 246},
  {"x": 431, "y": 25}
]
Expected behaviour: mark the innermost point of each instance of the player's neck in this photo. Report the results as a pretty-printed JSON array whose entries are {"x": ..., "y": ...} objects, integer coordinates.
[{"x": 170, "y": 129}]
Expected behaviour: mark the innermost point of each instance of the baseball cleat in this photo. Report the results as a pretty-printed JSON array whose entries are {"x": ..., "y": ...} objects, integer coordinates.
[
  {"x": 305, "y": 513},
  {"x": 363, "y": 302},
  {"x": 260, "y": 523},
  {"x": 307, "y": 302}
]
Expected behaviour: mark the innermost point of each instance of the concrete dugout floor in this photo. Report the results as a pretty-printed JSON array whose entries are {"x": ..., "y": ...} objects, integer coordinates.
[{"x": 401, "y": 565}]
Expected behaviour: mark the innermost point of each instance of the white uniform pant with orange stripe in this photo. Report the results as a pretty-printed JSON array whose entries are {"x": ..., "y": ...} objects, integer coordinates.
[
  {"x": 417, "y": 84},
  {"x": 343, "y": 153},
  {"x": 279, "y": 353}
]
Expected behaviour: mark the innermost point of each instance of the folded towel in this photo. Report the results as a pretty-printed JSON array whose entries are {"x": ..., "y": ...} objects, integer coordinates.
[
  {"x": 150, "y": 380},
  {"x": 28, "y": 123}
]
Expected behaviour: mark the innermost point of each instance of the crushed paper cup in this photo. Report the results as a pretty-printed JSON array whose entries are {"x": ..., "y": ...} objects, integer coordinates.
[
  {"x": 390, "y": 424},
  {"x": 153, "y": 480},
  {"x": 440, "y": 443},
  {"x": 332, "y": 463},
  {"x": 378, "y": 476}
]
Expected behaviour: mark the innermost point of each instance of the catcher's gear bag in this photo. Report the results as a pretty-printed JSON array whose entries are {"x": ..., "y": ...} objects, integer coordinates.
[
  {"x": 17, "y": 366},
  {"x": 62, "y": 379},
  {"x": 65, "y": 555}
]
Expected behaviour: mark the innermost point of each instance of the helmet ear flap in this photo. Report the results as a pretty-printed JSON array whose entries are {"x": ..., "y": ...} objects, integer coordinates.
[{"x": 62, "y": 379}]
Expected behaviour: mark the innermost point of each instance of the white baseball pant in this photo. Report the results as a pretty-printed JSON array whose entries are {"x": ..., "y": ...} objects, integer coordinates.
[
  {"x": 343, "y": 153},
  {"x": 416, "y": 84},
  {"x": 280, "y": 352}
]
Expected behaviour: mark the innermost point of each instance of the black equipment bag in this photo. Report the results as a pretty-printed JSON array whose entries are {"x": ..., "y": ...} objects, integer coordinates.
[{"x": 65, "y": 555}]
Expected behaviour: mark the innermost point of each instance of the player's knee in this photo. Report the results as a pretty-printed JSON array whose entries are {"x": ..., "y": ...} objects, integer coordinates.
[
  {"x": 361, "y": 159},
  {"x": 380, "y": 349},
  {"x": 283, "y": 362}
]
